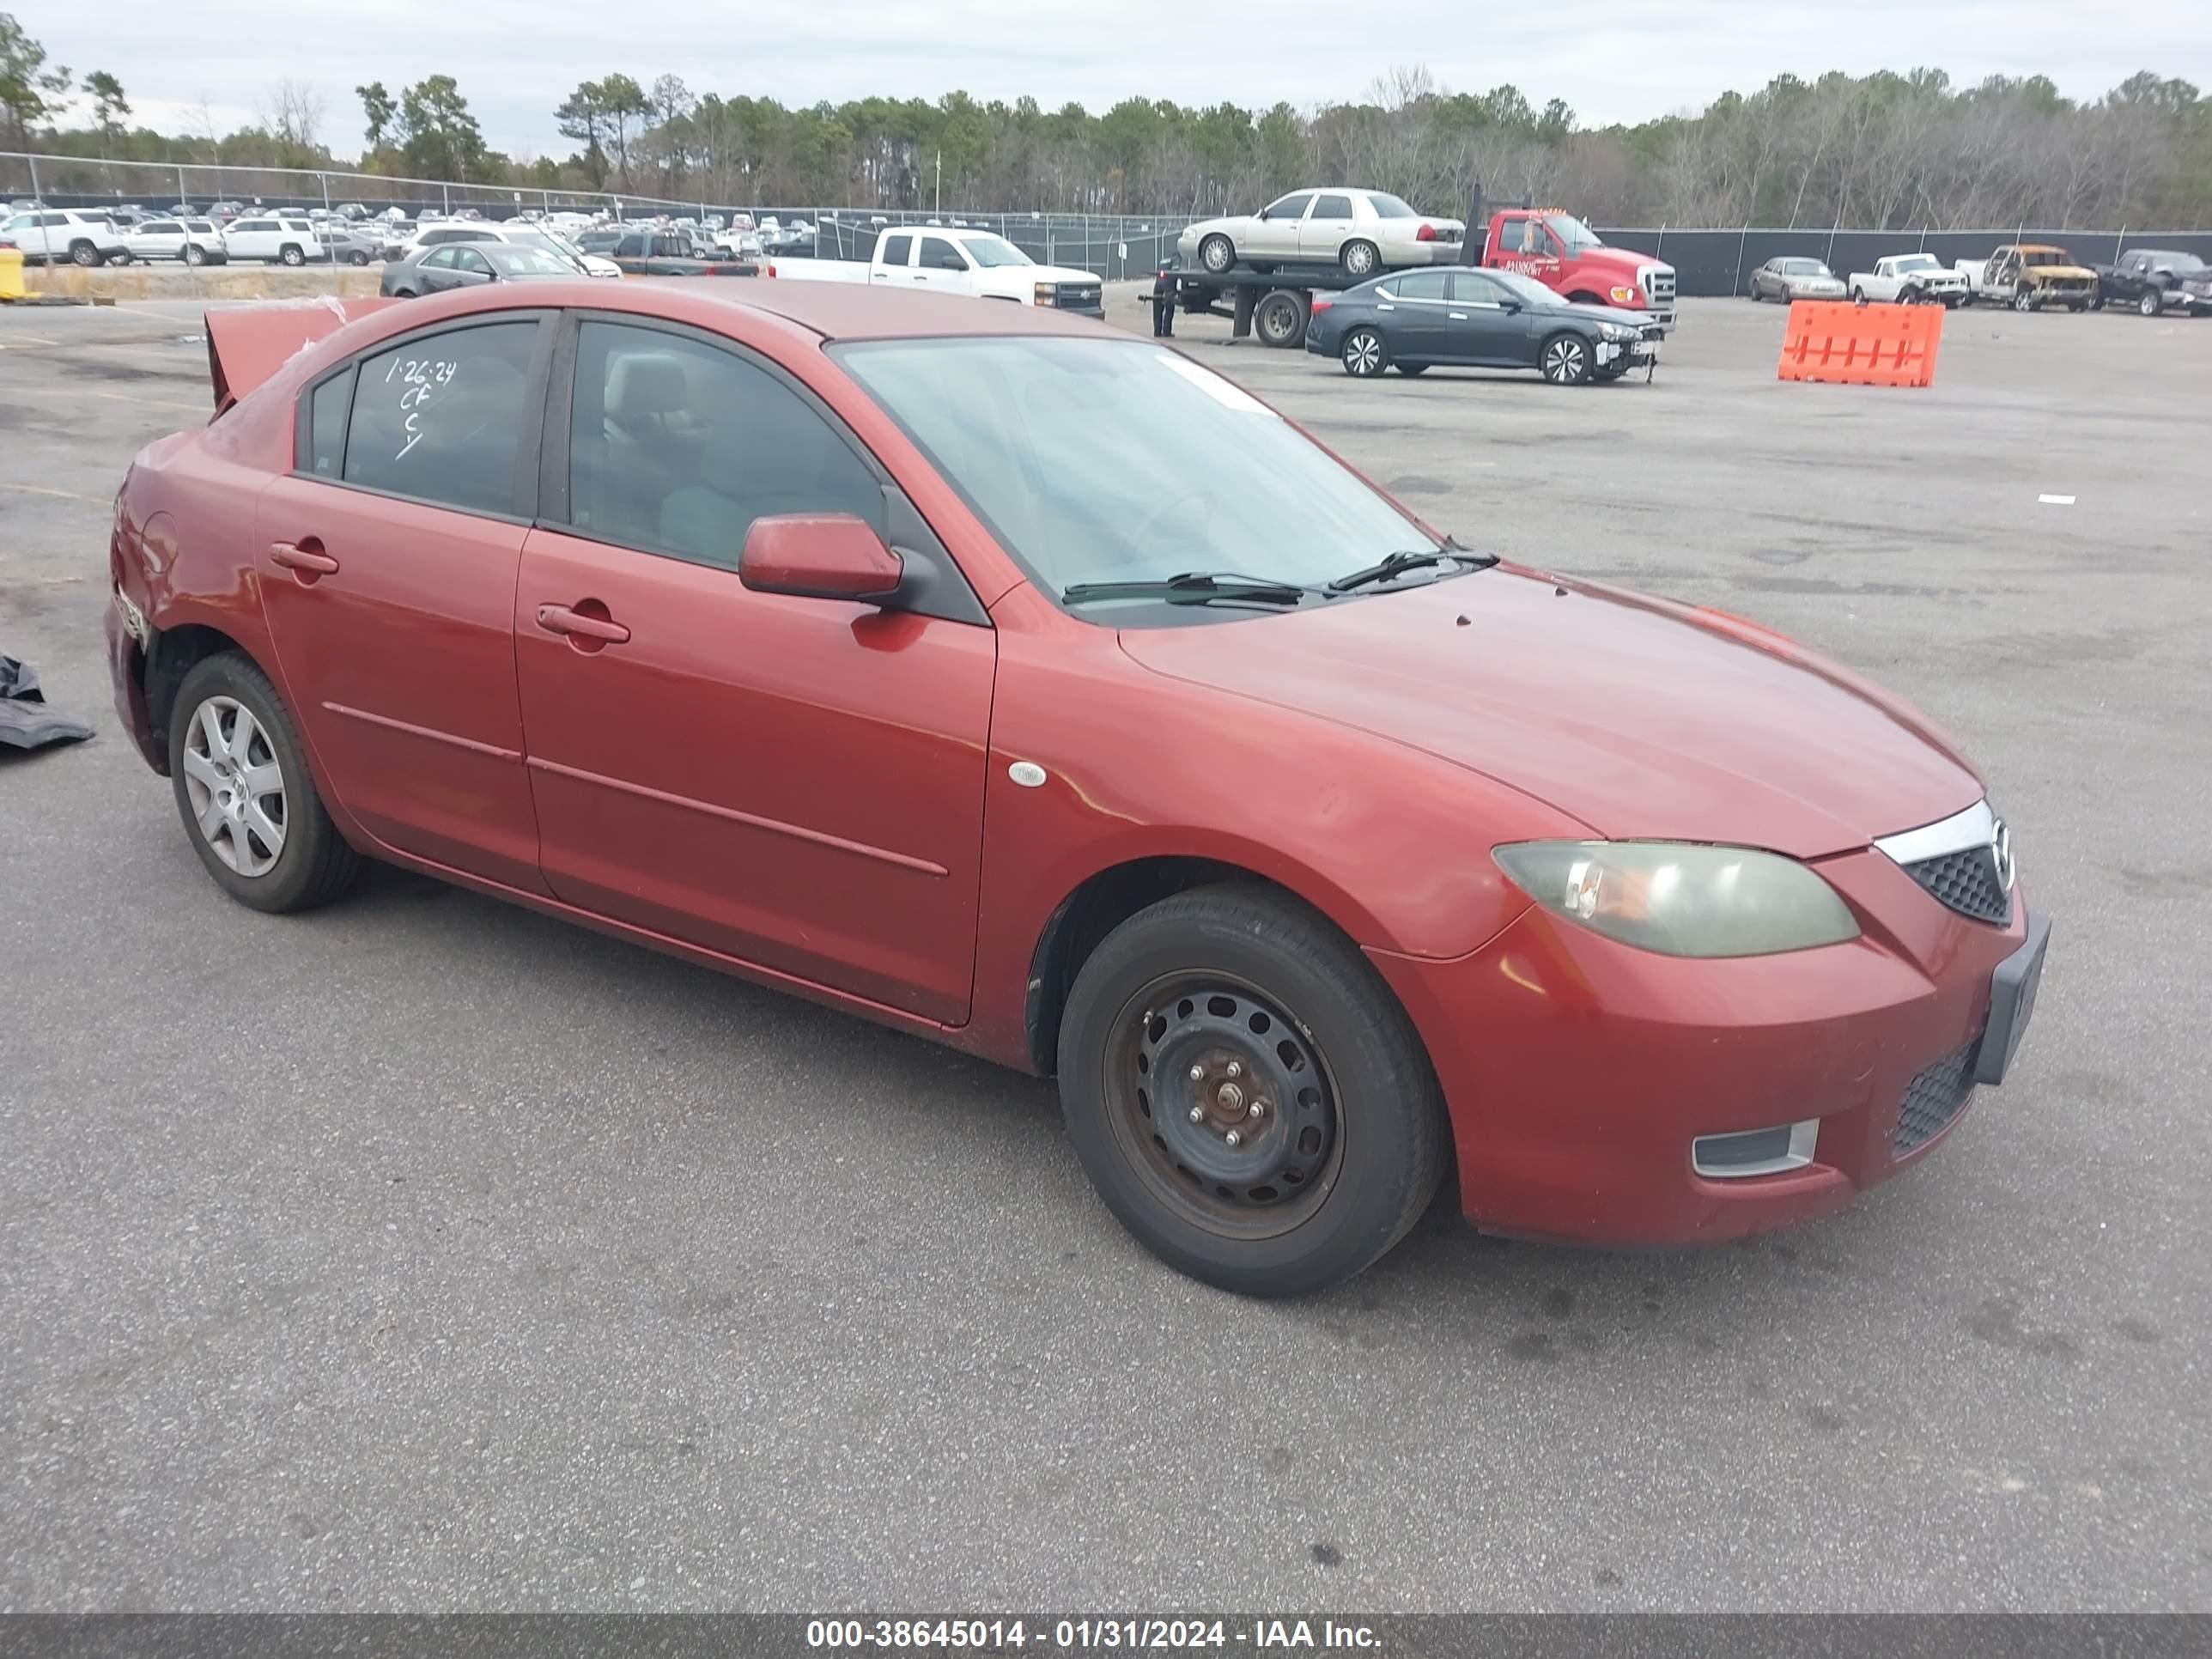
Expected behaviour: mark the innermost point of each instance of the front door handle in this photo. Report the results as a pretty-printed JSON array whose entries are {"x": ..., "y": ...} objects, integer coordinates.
[
  {"x": 304, "y": 557},
  {"x": 1457, "y": 316},
  {"x": 560, "y": 619}
]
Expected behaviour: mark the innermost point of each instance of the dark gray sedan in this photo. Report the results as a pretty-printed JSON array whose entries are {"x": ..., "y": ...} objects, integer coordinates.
[
  {"x": 1787, "y": 278},
  {"x": 467, "y": 264},
  {"x": 1459, "y": 317}
]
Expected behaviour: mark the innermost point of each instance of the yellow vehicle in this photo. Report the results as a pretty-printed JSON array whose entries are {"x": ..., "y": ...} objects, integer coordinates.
[{"x": 2028, "y": 276}]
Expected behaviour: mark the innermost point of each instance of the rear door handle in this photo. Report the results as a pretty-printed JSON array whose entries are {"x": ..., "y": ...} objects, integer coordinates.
[
  {"x": 559, "y": 619},
  {"x": 305, "y": 555}
]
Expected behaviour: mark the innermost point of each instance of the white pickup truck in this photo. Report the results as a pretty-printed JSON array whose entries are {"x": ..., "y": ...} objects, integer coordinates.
[
  {"x": 978, "y": 262},
  {"x": 1910, "y": 279}
]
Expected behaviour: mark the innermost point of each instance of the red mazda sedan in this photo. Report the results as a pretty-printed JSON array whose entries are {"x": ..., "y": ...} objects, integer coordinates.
[{"x": 1011, "y": 680}]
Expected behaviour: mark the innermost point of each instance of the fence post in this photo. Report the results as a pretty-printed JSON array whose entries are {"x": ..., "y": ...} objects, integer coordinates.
[
  {"x": 325, "y": 179},
  {"x": 446, "y": 192},
  {"x": 183, "y": 200},
  {"x": 35, "y": 195},
  {"x": 1739, "y": 241},
  {"x": 2119, "y": 242},
  {"x": 1660, "y": 250}
]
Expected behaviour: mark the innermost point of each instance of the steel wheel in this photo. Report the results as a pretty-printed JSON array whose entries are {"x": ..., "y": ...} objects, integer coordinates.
[
  {"x": 235, "y": 786},
  {"x": 1363, "y": 353},
  {"x": 1566, "y": 359},
  {"x": 1230, "y": 1111}
]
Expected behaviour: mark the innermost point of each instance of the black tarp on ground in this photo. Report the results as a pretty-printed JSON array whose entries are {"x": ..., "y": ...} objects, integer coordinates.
[{"x": 26, "y": 721}]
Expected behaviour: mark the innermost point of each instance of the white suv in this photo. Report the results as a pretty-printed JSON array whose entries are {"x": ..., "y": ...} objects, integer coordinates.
[
  {"x": 53, "y": 236},
  {"x": 285, "y": 239},
  {"x": 195, "y": 241}
]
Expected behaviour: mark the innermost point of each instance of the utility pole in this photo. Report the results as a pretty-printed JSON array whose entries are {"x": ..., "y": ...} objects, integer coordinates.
[{"x": 940, "y": 182}]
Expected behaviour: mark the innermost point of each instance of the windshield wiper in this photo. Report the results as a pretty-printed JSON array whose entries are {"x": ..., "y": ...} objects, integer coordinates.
[
  {"x": 1190, "y": 588},
  {"x": 1451, "y": 553}
]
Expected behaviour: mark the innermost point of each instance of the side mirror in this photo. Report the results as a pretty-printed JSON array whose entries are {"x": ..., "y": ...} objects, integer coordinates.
[
  {"x": 1261, "y": 214},
  {"x": 952, "y": 262},
  {"x": 1509, "y": 305},
  {"x": 819, "y": 555}
]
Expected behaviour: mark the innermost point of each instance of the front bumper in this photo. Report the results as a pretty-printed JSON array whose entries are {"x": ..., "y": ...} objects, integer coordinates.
[
  {"x": 126, "y": 660},
  {"x": 1578, "y": 1072}
]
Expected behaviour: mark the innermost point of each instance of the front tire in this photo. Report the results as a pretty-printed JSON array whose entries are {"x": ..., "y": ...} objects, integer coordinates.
[
  {"x": 1360, "y": 260},
  {"x": 356, "y": 257},
  {"x": 1245, "y": 1094},
  {"x": 1364, "y": 354},
  {"x": 1216, "y": 254},
  {"x": 2022, "y": 299},
  {"x": 1565, "y": 360},
  {"x": 244, "y": 791},
  {"x": 2152, "y": 302},
  {"x": 84, "y": 253}
]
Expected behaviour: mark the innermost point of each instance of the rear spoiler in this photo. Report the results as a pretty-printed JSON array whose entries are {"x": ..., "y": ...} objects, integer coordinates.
[{"x": 248, "y": 343}]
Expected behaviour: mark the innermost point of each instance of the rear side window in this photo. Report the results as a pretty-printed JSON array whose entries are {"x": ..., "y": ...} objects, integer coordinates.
[
  {"x": 1333, "y": 207},
  {"x": 1422, "y": 285},
  {"x": 896, "y": 249},
  {"x": 327, "y": 425},
  {"x": 675, "y": 446},
  {"x": 1472, "y": 287},
  {"x": 440, "y": 418}
]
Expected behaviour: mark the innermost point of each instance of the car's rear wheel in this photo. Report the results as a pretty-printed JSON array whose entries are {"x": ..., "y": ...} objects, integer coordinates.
[
  {"x": 1245, "y": 1094},
  {"x": 1359, "y": 259},
  {"x": 1364, "y": 354},
  {"x": 1565, "y": 360},
  {"x": 1216, "y": 254},
  {"x": 245, "y": 793},
  {"x": 1755, "y": 295},
  {"x": 120, "y": 257},
  {"x": 1280, "y": 319},
  {"x": 2152, "y": 302},
  {"x": 194, "y": 254},
  {"x": 356, "y": 257},
  {"x": 292, "y": 255}
]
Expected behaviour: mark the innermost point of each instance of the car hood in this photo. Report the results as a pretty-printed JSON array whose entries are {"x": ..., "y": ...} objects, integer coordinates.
[
  {"x": 1619, "y": 258},
  {"x": 1051, "y": 274},
  {"x": 1641, "y": 718}
]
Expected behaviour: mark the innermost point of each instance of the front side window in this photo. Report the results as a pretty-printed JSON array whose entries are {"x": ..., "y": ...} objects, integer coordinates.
[
  {"x": 1112, "y": 460},
  {"x": 675, "y": 446},
  {"x": 437, "y": 260},
  {"x": 468, "y": 259},
  {"x": 938, "y": 254},
  {"x": 441, "y": 417},
  {"x": 1292, "y": 206}
]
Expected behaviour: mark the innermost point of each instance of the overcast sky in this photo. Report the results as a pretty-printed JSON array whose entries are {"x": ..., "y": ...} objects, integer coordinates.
[{"x": 1612, "y": 60}]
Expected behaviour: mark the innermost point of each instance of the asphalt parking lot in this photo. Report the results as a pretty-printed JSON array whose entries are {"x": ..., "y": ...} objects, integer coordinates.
[{"x": 427, "y": 1254}]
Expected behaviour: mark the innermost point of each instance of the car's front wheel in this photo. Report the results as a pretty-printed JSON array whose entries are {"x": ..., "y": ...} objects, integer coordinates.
[
  {"x": 2152, "y": 302},
  {"x": 84, "y": 253},
  {"x": 1565, "y": 360},
  {"x": 292, "y": 255},
  {"x": 356, "y": 257},
  {"x": 1246, "y": 1096},
  {"x": 1364, "y": 354},
  {"x": 2023, "y": 300},
  {"x": 1216, "y": 254},
  {"x": 245, "y": 793}
]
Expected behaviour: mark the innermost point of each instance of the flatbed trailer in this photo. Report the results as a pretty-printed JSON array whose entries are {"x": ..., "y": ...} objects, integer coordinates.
[{"x": 1276, "y": 304}]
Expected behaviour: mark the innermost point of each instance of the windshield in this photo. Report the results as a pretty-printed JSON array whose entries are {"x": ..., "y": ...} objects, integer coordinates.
[
  {"x": 989, "y": 251},
  {"x": 1110, "y": 460},
  {"x": 2046, "y": 256},
  {"x": 1571, "y": 231},
  {"x": 1527, "y": 289},
  {"x": 1917, "y": 262},
  {"x": 1390, "y": 207},
  {"x": 1809, "y": 268},
  {"x": 546, "y": 241}
]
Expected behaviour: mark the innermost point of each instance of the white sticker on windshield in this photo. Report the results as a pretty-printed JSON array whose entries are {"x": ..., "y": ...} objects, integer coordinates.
[{"x": 1226, "y": 394}]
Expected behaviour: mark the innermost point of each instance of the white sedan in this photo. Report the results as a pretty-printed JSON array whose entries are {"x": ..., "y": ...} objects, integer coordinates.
[{"x": 1363, "y": 233}]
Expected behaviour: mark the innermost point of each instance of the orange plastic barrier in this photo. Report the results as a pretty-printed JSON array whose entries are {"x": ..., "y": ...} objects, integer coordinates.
[{"x": 1848, "y": 344}]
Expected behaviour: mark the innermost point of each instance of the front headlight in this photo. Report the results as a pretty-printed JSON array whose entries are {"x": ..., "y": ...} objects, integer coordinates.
[
  {"x": 1679, "y": 898},
  {"x": 1624, "y": 296},
  {"x": 1614, "y": 331}
]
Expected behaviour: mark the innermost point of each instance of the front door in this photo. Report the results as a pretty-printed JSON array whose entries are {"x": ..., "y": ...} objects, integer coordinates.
[
  {"x": 1274, "y": 233},
  {"x": 1488, "y": 324},
  {"x": 938, "y": 263},
  {"x": 387, "y": 563},
  {"x": 798, "y": 783}
]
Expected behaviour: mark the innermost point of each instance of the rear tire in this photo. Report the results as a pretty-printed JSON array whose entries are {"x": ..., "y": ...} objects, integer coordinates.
[
  {"x": 1359, "y": 259},
  {"x": 1364, "y": 354},
  {"x": 233, "y": 745},
  {"x": 1280, "y": 319},
  {"x": 1342, "y": 1137},
  {"x": 194, "y": 254},
  {"x": 1564, "y": 360},
  {"x": 356, "y": 257},
  {"x": 1216, "y": 254}
]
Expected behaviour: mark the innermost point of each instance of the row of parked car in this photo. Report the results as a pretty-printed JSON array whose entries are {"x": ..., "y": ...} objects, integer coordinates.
[{"x": 2027, "y": 276}]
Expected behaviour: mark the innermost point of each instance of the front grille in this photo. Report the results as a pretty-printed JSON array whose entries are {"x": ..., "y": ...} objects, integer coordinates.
[
  {"x": 1076, "y": 295},
  {"x": 1932, "y": 1099},
  {"x": 1965, "y": 881},
  {"x": 1659, "y": 287}
]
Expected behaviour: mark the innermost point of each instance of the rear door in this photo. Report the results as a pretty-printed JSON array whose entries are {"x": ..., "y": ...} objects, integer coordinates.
[
  {"x": 387, "y": 564},
  {"x": 893, "y": 257},
  {"x": 1487, "y": 324},
  {"x": 157, "y": 238},
  {"x": 1419, "y": 327},
  {"x": 796, "y": 783},
  {"x": 1326, "y": 228},
  {"x": 250, "y": 238}
]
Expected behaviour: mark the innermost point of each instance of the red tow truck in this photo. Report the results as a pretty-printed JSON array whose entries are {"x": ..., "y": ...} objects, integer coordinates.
[
  {"x": 1564, "y": 254},
  {"x": 1548, "y": 244}
]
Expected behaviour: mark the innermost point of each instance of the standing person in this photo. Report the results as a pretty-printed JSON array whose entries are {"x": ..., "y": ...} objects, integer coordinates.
[{"x": 1164, "y": 300}]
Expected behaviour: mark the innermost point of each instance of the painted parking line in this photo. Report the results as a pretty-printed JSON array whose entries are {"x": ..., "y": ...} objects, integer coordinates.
[
  {"x": 41, "y": 489},
  {"x": 151, "y": 403}
]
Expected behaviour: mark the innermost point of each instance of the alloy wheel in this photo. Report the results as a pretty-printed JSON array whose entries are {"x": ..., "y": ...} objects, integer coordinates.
[
  {"x": 1566, "y": 362},
  {"x": 236, "y": 786},
  {"x": 1363, "y": 353}
]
